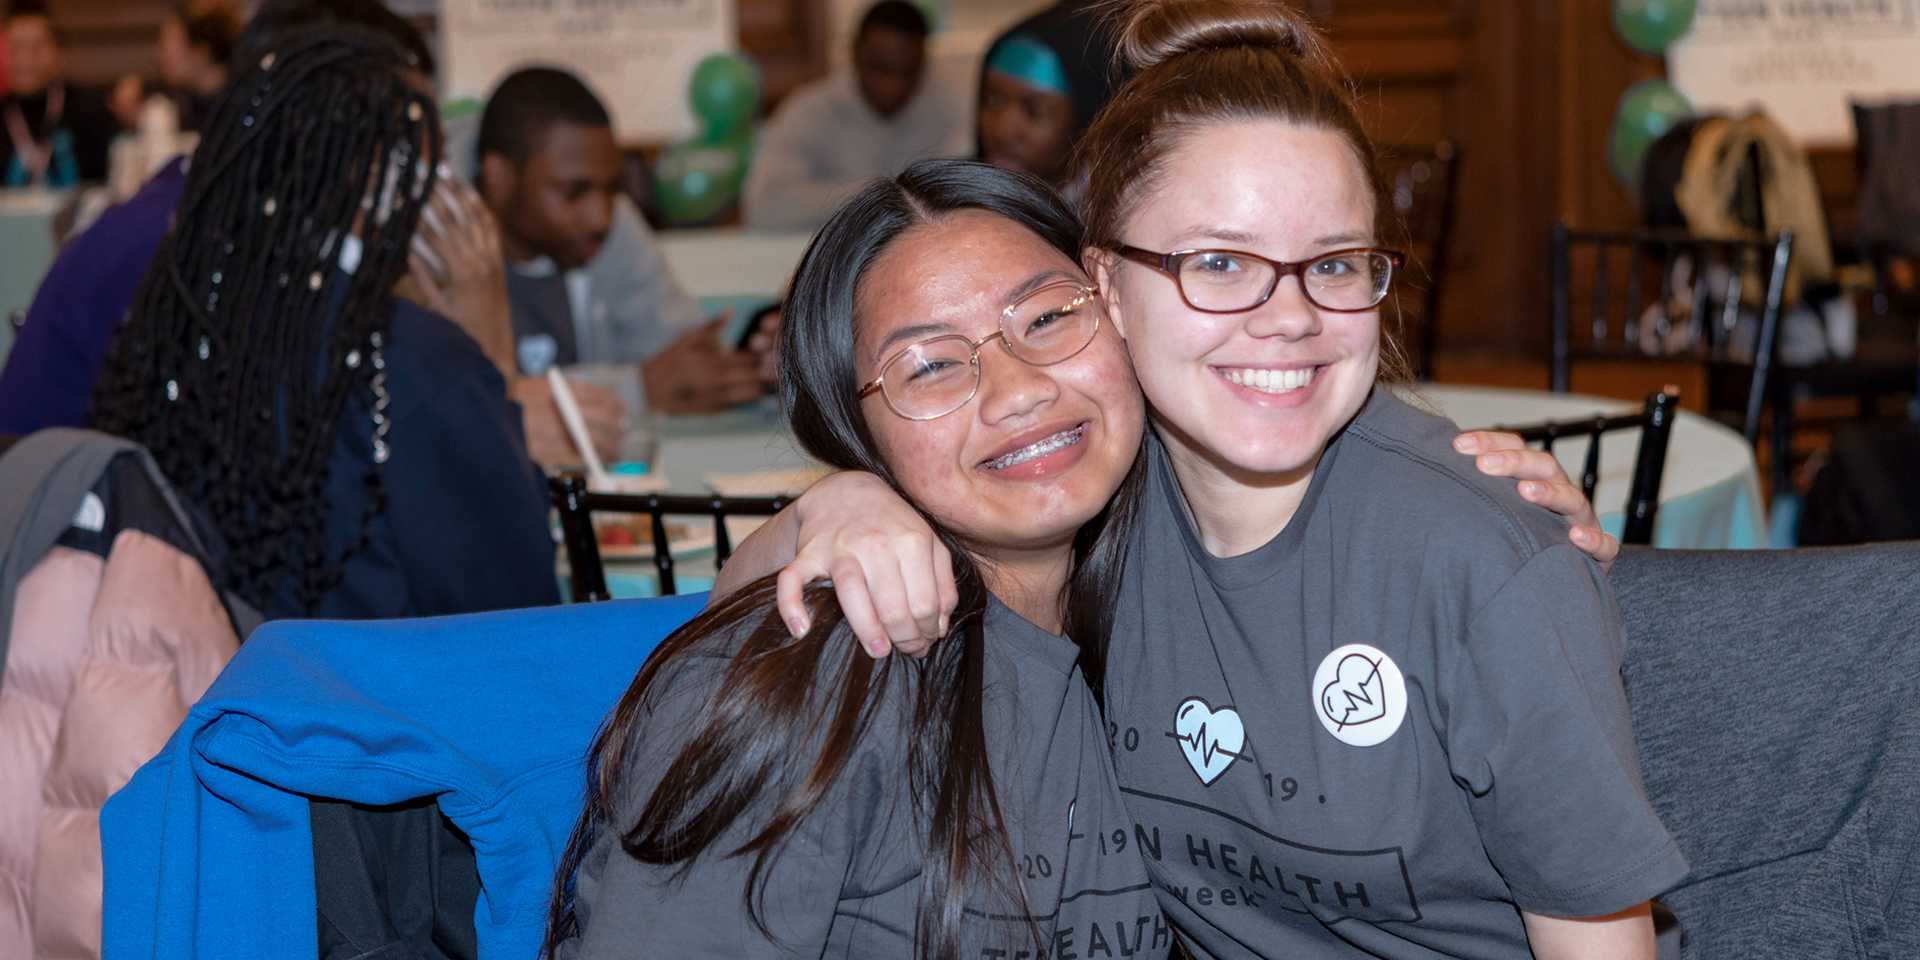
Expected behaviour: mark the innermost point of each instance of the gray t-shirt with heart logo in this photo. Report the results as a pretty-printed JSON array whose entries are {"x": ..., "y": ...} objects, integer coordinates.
[
  {"x": 1387, "y": 731},
  {"x": 847, "y": 884}
]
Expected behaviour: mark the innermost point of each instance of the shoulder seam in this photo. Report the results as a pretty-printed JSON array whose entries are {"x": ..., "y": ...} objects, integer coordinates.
[{"x": 1522, "y": 540}]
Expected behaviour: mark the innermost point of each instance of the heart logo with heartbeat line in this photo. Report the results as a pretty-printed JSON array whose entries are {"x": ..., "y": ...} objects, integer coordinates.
[{"x": 1211, "y": 739}]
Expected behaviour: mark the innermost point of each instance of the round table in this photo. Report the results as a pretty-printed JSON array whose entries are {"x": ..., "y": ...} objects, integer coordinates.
[{"x": 1709, "y": 493}]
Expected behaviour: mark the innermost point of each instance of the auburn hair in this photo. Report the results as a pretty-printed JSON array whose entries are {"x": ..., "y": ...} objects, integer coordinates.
[{"x": 1199, "y": 62}]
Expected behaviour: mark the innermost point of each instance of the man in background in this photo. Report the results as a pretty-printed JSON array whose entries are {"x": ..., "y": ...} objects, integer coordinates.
[
  {"x": 586, "y": 279},
  {"x": 56, "y": 134},
  {"x": 832, "y": 135}
]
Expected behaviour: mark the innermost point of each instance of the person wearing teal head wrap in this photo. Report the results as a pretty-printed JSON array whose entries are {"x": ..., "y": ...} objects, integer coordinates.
[{"x": 1041, "y": 85}]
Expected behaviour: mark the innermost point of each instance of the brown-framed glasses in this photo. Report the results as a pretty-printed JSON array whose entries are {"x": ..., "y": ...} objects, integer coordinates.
[
  {"x": 1232, "y": 281},
  {"x": 936, "y": 376}
]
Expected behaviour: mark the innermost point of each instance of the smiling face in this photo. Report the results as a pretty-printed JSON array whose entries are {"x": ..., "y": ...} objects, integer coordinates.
[
  {"x": 1038, "y": 451},
  {"x": 1258, "y": 393}
]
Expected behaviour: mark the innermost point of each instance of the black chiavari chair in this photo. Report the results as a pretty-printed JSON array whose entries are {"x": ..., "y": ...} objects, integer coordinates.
[
  {"x": 1655, "y": 423},
  {"x": 577, "y": 505}
]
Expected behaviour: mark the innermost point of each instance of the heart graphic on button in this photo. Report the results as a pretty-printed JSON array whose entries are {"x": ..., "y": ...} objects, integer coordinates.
[
  {"x": 1359, "y": 695},
  {"x": 1356, "y": 694},
  {"x": 1211, "y": 739}
]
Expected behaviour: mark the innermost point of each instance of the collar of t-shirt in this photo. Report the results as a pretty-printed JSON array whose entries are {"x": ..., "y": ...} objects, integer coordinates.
[
  {"x": 1261, "y": 564},
  {"x": 1025, "y": 640}
]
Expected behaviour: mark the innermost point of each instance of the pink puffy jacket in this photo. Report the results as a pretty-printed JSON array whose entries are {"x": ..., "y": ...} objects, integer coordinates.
[{"x": 105, "y": 659}]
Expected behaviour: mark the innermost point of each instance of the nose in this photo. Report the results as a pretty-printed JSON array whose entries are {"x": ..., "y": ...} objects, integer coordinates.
[
  {"x": 1010, "y": 389},
  {"x": 1286, "y": 315},
  {"x": 596, "y": 213}
]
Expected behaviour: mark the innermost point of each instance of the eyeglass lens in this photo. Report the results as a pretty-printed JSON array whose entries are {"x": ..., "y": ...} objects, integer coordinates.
[
  {"x": 1226, "y": 281},
  {"x": 936, "y": 376}
]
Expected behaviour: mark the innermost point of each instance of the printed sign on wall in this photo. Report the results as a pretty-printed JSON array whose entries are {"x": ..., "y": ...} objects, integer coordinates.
[
  {"x": 1801, "y": 60},
  {"x": 636, "y": 54}
]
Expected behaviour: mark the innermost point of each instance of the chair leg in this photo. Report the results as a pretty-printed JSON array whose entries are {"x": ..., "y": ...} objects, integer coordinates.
[{"x": 1782, "y": 443}]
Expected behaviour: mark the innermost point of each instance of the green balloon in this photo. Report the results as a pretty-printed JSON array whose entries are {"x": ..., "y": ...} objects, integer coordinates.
[
  {"x": 934, "y": 10},
  {"x": 697, "y": 181},
  {"x": 725, "y": 93},
  {"x": 1650, "y": 26},
  {"x": 1647, "y": 110}
]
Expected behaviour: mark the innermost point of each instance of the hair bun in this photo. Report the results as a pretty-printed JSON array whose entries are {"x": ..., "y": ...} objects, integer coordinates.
[{"x": 1152, "y": 32}]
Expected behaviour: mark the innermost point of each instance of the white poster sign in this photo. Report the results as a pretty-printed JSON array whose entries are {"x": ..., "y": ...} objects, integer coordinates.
[
  {"x": 636, "y": 54},
  {"x": 1800, "y": 60}
]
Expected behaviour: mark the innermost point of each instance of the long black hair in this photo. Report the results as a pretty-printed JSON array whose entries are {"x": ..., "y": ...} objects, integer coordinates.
[
  {"x": 763, "y": 726},
  {"x": 249, "y": 334}
]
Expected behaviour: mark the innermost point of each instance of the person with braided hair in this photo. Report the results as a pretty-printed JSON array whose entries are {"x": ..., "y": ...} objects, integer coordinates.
[
  {"x": 86, "y": 294},
  {"x": 355, "y": 452}
]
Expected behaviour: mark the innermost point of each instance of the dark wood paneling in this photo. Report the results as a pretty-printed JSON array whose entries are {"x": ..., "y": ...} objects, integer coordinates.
[
  {"x": 107, "y": 39},
  {"x": 1528, "y": 90}
]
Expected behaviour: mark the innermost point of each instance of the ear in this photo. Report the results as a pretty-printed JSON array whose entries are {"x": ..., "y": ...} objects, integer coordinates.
[
  {"x": 498, "y": 179},
  {"x": 1104, "y": 268}
]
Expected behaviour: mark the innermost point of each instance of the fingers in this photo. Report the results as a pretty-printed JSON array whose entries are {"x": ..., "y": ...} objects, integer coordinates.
[
  {"x": 1518, "y": 464},
  {"x": 429, "y": 288},
  {"x": 605, "y": 416},
  {"x": 460, "y": 228},
  {"x": 856, "y": 606},
  {"x": 1562, "y": 498},
  {"x": 790, "y": 595},
  {"x": 920, "y": 574},
  {"x": 596, "y": 401},
  {"x": 707, "y": 335},
  {"x": 949, "y": 590},
  {"x": 712, "y": 382},
  {"x": 1487, "y": 441},
  {"x": 886, "y": 588},
  {"x": 1525, "y": 464},
  {"x": 1597, "y": 543}
]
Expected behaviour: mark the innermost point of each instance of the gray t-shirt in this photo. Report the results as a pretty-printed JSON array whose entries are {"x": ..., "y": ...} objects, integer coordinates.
[
  {"x": 847, "y": 884},
  {"x": 1386, "y": 731}
]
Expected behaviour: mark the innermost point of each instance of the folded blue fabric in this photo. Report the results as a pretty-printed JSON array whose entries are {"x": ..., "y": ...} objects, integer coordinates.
[{"x": 209, "y": 851}]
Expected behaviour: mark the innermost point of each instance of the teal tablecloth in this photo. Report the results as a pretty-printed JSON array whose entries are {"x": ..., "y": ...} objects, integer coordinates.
[{"x": 1709, "y": 494}]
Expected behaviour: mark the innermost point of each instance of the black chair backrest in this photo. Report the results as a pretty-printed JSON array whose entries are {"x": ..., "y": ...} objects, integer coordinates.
[
  {"x": 1424, "y": 183},
  {"x": 577, "y": 505},
  {"x": 1655, "y": 423},
  {"x": 1604, "y": 281}
]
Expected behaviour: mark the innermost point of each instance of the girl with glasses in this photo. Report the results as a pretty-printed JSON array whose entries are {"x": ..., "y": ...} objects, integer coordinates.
[
  {"x": 756, "y": 794},
  {"x": 1365, "y": 699}
]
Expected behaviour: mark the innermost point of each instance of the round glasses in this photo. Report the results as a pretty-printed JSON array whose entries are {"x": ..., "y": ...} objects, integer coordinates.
[
  {"x": 1232, "y": 281},
  {"x": 936, "y": 376}
]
